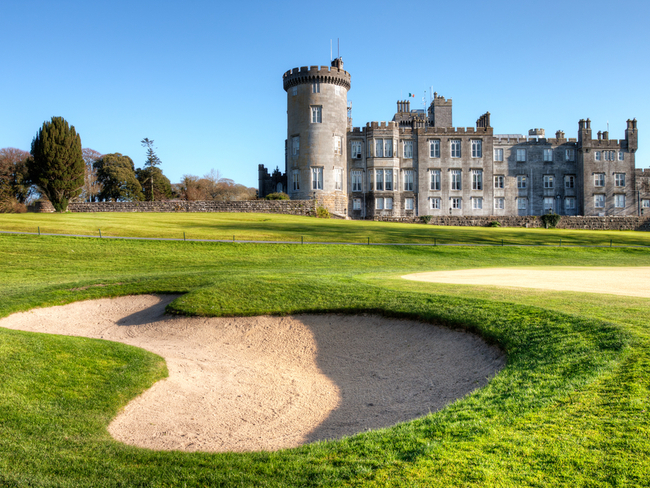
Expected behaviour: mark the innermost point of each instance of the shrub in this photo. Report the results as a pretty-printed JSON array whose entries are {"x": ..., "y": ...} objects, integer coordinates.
[
  {"x": 322, "y": 213},
  {"x": 494, "y": 223},
  {"x": 277, "y": 196},
  {"x": 550, "y": 220},
  {"x": 425, "y": 219}
]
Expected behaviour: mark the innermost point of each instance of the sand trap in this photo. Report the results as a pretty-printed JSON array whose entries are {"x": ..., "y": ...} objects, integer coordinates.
[
  {"x": 265, "y": 383},
  {"x": 631, "y": 281}
]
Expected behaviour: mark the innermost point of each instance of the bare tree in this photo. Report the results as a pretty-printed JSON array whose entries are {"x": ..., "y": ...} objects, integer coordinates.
[{"x": 91, "y": 187}]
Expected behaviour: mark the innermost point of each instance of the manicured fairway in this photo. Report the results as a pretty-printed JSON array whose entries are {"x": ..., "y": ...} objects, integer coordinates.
[{"x": 570, "y": 408}]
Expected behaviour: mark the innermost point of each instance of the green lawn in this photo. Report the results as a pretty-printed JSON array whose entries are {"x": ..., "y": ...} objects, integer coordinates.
[
  {"x": 272, "y": 227},
  {"x": 570, "y": 408}
]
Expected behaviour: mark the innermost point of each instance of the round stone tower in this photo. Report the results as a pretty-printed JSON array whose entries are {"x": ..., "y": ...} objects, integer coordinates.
[{"x": 317, "y": 123}]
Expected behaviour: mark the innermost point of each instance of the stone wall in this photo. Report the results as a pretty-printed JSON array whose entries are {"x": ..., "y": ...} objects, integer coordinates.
[
  {"x": 290, "y": 207},
  {"x": 566, "y": 222}
]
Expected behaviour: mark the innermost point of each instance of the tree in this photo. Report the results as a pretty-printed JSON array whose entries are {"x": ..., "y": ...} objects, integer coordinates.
[
  {"x": 150, "y": 164},
  {"x": 116, "y": 176},
  {"x": 15, "y": 187},
  {"x": 92, "y": 187},
  {"x": 57, "y": 165},
  {"x": 153, "y": 179}
]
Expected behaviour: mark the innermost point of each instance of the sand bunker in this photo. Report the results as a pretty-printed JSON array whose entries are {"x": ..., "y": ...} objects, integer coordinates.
[
  {"x": 265, "y": 383},
  {"x": 629, "y": 281}
]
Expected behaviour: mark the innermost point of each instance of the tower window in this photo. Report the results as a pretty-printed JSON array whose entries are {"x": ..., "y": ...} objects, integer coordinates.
[
  {"x": 408, "y": 149},
  {"x": 477, "y": 148},
  {"x": 294, "y": 91},
  {"x": 316, "y": 114},
  {"x": 408, "y": 180},
  {"x": 317, "y": 178},
  {"x": 548, "y": 155},
  {"x": 455, "y": 148},
  {"x": 295, "y": 180},
  {"x": 295, "y": 145},
  {"x": 315, "y": 86},
  {"x": 356, "y": 181},
  {"x": 337, "y": 145},
  {"x": 356, "y": 149},
  {"x": 338, "y": 179}
]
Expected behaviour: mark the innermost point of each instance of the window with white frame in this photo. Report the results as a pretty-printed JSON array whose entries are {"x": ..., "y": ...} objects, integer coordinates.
[
  {"x": 522, "y": 203},
  {"x": 619, "y": 179},
  {"x": 499, "y": 182},
  {"x": 294, "y": 91},
  {"x": 356, "y": 204},
  {"x": 499, "y": 203},
  {"x": 356, "y": 180},
  {"x": 455, "y": 148},
  {"x": 477, "y": 179},
  {"x": 456, "y": 203},
  {"x": 408, "y": 149},
  {"x": 388, "y": 178},
  {"x": 337, "y": 145},
  {"x": 569, "y": 181},
  {"x": 522, "y": 181},
  {"x": 337, "y": 90},
  {"x": 316, "y": 114},
  {"x": 388, "y": 203},
  {"x": 609, "y": 155},
  {"x": 315, "y": 86},
  {"x": 408, "y": 180},
  {"x": 456, "y": 179},
  {"x": 434, "y": 148},
  {"x": 477, "y": 148},
  {"x": 356, "y": 149},
  {"x": 619, "y": 201},
  {"x": 599, "y": 179},
  {"x": 379, "y": 203},
  {"x": 379, "y": 180},
  {"x": 548, "y": 181},
  {"x": 477, "y": 203},
  {"x": 569, "y": 204},
  {"x": 435, "y": 203},
  {"x": 317, "y": 178},
  {"x": 599, "y": 201},
  {"x": 383, "y": 148},
  {"x": 549, "y": 204},
  {"x": 548, "y": 155},
  {"x": 295, "y": 145},
  {"x": 295, "y": 180},
  {"x": 338, "y": 179},
  {"x": 521, "y": 155},
  {"x": 569, "y": 154},
  {"x": 621, "y": 156},
  {"x": 498, "y": 154},
  {"x": 435, "y": 179},
  {"x": 408, "y": 204},
  {"x": 645, "y": 203},
  {"x": 597, "y": 156}
]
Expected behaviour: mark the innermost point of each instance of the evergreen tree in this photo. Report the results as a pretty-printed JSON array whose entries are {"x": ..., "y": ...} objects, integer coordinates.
[
  {"x": 116, "y": 175},
  {"x": 153, "y": 179},
  {"x": 57, "y": 165},
  {"x": 148, "y": 174}
]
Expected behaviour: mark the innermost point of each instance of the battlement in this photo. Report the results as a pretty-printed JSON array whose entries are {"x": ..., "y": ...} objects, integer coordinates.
[
  {"x": 381, "y": 125},
  {"x": 439, "y": 100},
  {"x": 536, "y": 133},
  {"x": 325, "y": 74},
  {"x": 642, "y": 172}
]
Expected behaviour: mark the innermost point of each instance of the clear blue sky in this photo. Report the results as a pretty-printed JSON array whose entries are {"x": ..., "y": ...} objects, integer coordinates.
[{"x": 204, "y": 80}]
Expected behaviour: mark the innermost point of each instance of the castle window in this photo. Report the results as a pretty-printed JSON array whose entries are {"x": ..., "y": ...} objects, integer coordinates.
[
  {"x": 499, "y": 203},
  {"x": 521, "y": 181},
  {"x": 548, "y": 181},
  {"x": 498, "y": 154},
  {"x": 435, "y": 179},
  {"x": 388, "y": 177},
  {"x": 356, "y": 181},
  {"x": 295, "y": 180},
  {"x": 599, "y": 179},
  {"x": 619, "y": 179},
  {"x": 356, "y": 204},
  {"x": 315, "y": 86},
  {"x": 408, "y": 149},
  {"x": 455, "y": 148},
  {"x": 569, "y": 181},
  {"x": 408, "y": 180},
  {"x": 457, "y": 203},
  {"x": 337, "y": 90},
  {"x": 456, "y": 180},
  {"x": 295, "y": 145},
  {"x": 294, "y": 91},
  {"x": 388, "y": 203},
  {"x": 317, "y": 178},
  {"x": 356, "y": 149},
  {"x": 383, "y": 148},
  {"x": 548, "y": 155},
  {"x": 569, "y": 204},
  {"x": 597, "y": 156},
  {"x": 379, "y": 203},
  {"x": 408, "y": 204},
  {"x": 621, "y": 156},
  {"x": 522, "y": 203},
  {"x": 619, "y": 201},
  {"x": 499, "y": 181},
  {"x": 338, "y": 179},
  {"x": 379, "y": 180},
  {"x": 337, "y": 145},
  {"x": 521, "y": 155},
  {"x": 316, "y": 114},
  {"x": 477, "y": 148},
  {"x": 435, "y": 203},
  {"x": 477, "y": 179},
  {"x": 434, "y": 148},
  {"x": 477, "y": 203},
  {"x": 599, "y": 201},
  {"x": 609, "y": 155},
  {"x": 569, "y": 154},
  {"x": 645, "y": 203},
  {"x": 549, "y": 203}
]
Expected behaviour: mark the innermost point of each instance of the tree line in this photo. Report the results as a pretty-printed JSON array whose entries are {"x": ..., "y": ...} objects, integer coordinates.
[{"x": 60, "y": 170}]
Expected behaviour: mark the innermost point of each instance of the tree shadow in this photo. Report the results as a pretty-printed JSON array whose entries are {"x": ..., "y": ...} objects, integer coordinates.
[{"x": 149, "y": 315}]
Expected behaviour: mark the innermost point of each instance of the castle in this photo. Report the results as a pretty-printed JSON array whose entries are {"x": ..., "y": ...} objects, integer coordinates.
[{"x": 420, "y": 164}]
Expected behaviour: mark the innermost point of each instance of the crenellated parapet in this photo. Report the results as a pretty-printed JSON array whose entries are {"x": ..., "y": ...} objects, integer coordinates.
[{"x": 324, "y": 74}]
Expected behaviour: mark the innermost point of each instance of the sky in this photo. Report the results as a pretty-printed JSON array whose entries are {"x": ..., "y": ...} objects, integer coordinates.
[{"x": 203, "y": 79}]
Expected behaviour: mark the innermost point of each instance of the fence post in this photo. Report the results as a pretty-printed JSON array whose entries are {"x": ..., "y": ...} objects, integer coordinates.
[
  {"x": 302, "y": 239},
  {"x": 501, "y": 242},
  {"x": 100, "y": 233},
  {"x": 233, "y": 238},
  {"x": 39, "y": 231},
  {"x": 610, "y": 243},
  {"x": 435, "y": 243},
  {"x": 183, "y": 235},
  {"x": 368, "y": 240},
  {"x": 560, "y": 242}
]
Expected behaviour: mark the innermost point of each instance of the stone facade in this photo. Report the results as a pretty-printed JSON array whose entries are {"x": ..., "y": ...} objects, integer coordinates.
[
  {"x": 420, "y": 164},
  {"x": 291, "y": 207}
]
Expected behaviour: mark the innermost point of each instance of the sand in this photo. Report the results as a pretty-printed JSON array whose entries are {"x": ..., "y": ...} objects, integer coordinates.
[
  {"x": 266, "y": 383},
  {"x": 629, "y": 281}
]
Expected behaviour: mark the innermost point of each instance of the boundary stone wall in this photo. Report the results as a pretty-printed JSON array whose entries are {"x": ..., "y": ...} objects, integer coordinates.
[{"x": 289, "y": 207}]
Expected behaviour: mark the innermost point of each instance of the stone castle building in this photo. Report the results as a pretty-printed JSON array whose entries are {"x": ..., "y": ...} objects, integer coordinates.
[{"x": 420, "y": 164}]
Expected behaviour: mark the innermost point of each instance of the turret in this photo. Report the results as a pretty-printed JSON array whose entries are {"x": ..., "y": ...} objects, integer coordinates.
[{"x": 632, "y": 135}]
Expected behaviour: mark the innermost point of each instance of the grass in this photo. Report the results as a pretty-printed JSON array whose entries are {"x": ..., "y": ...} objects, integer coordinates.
[
  {"x": 269, "y": 227},
  {"x": 570, "y": 408}
]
